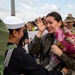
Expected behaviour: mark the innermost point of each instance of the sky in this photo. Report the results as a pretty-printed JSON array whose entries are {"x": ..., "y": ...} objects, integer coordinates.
[{"x": 29, "y": 10}]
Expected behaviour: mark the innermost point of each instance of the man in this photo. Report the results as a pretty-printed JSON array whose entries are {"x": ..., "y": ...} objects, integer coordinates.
[
  {"x": 69, "y": 24},
  {"x": 17, "y": 60}
]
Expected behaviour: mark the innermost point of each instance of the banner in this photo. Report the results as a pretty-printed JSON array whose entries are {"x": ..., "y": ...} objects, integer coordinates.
[{"x": 31, "y": 34}]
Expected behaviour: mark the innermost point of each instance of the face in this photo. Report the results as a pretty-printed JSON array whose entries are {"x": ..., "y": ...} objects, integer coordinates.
[
  {"x": 26, "y": 41},
  {"x": 69, "y": 24},
  {"x": 29, "y": 28},
  {"x": 52, "y": 24}
]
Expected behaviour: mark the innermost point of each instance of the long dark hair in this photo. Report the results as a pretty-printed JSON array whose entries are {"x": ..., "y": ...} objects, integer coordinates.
[
  {"x": 56, "y": 16},
  {"x": 11, "y": 30}
]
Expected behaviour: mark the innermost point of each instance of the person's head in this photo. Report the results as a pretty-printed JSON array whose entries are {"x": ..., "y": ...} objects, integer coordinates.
[
  {"x": 69, "y": 15},
  {"x": 54, "y": 21},
  {"x": 69, "y": 22},
  {"x": 29, "y": 27},
  {"x": 15, "y": 26}
]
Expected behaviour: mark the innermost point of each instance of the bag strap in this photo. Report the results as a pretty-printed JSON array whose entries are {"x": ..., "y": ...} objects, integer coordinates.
[{"x": 10, "y": 49}]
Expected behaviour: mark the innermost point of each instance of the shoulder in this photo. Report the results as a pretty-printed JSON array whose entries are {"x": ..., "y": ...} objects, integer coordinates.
[
  {"x": 19, "y": 50},
  {"x": 22, "y": 54},
  {"x": 45, "y": 35}
]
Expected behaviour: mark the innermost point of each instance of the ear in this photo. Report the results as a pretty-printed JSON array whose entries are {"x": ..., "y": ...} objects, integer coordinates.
[
  {"x": 15, "y": 33},
  {"x": 60, "y": 23}
]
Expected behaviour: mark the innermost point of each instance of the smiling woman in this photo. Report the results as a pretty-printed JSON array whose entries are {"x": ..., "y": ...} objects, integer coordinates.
[{"x": 42, "y": 44}]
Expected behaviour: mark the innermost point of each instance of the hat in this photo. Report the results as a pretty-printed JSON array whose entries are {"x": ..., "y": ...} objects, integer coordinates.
[
  {"x": 69, "y": 19},
  {"x": 13, "y": 22}
]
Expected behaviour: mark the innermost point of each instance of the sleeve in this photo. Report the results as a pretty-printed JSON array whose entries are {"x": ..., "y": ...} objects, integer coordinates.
[
  {"x": 35, "y": 45},
  {"x": 71, "y": 72},
  {"x": 29, "y": 66},
  {"x": 69, "y": 61}
]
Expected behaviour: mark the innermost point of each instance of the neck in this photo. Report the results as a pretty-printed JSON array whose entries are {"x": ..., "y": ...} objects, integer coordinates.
[{"x": 13, "y": 41}]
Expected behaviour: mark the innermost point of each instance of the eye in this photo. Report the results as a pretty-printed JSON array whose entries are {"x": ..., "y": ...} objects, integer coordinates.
[{"x": 50, "y": 22}]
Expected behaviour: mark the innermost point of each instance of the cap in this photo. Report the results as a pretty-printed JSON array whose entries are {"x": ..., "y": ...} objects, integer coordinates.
[
  {"x": 13, "y": 22},
  {"x": 69, "y": 19}
]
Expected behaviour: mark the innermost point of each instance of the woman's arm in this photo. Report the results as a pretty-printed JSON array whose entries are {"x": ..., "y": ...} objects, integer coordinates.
[{"x": 34, "y": 45}]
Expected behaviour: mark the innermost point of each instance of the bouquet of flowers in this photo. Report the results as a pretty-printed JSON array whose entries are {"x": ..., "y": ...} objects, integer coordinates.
[
  {"x": 65, "y": 40},
  {"x": 53, "y": 62}
]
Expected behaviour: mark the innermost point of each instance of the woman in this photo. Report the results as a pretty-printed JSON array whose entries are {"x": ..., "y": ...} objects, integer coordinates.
[{"x": 42, "y": 44}]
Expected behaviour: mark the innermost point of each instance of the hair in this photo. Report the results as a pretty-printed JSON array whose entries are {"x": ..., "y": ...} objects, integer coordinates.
[
  {"x": 56, "y": 16},
  {"x": 11, "y": 30},
  {"x": 70, "y": 15}
]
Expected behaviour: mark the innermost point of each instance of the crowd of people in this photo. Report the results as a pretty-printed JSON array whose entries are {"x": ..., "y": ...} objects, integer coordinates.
[{"x": 21, "y": 55}]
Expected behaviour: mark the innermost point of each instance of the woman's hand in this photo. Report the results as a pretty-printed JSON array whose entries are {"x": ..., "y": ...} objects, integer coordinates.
[
  {"x": 56, "y": 50},
  {"x": 41, "y": 26}
]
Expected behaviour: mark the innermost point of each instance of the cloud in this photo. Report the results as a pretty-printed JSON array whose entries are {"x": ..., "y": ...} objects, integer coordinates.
[
  {"x": 30, "y": 9},
  {"x": 4, "y": 4},
  {"x": 4, "y": 14},
  {"x": 30, "y": 12},
  {"x": 48, "y": 7},
  {"x": 26, "y": 10},
  {"x": 71, "y": 6},
  {"x": 54, "y": 7},
  {"x": 28, "y": 2}
]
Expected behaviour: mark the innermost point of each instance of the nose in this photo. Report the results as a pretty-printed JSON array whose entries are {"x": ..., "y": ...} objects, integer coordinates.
[{"x": 48, "y": 25}]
